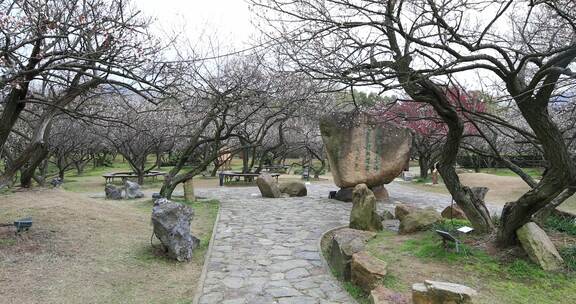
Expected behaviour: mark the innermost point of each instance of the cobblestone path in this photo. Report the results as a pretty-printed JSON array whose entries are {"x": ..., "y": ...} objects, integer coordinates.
[{"x": 266, "y": 250}]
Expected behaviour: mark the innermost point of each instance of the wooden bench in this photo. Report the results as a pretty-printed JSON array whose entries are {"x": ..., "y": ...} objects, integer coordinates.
[{"x": 248, "y": 177}]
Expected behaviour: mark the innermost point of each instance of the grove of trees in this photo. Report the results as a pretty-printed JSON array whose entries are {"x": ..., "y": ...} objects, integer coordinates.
[{"x": 83, "y": 82}]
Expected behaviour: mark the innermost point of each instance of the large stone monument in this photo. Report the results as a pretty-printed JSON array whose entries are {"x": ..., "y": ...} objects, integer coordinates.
[{"x": 362, "y": 150}]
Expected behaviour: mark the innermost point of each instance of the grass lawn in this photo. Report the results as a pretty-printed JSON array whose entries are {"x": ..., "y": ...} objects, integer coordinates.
[
  {"x": 418, "y": 257},
  {"x": 84, "y": 250},
  {"x": 533, "y": 172}
]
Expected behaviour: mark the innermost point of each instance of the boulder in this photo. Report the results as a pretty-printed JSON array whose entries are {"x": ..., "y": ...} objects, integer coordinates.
[
  {"x": 132, "y": 190},
  {"x": 189, "y": 190},
  {"x": 268, "y": 187},
  {"x": 380, "y": 193},
  {"x": 386, "y": 215},
  {"x": 345, "y": 243},
  {"x": 344, "y": 194},
  {"x": 362, "y": 150},
  {"x": 363, "y": 215},
  {"x": 401, "y": 210},
  {"x": 383, "y": 295},
  {"x": 433, "y": 292},
  {"x": 366, "y": 271},
  {"x": 171, "y": 224},
  {"x": 56, "y": 182},
  {"x": 113, "y": 192},
  {"x": 293, "y": 189},
  {"x": 454, "y": 212},
  {"x": 418, "y": 220},
  {"x": 539, "y": 247}
]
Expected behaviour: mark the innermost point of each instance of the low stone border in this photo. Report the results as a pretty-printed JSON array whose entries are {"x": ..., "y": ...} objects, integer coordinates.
[
  {"x": 325, "y": 264},
  {"x": 200, "y": 285}
]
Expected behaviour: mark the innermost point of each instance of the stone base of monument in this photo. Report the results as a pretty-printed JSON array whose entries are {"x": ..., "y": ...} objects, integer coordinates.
[
  {"x": 345, "y": 194},
  {"x": 380, "y": 193}
]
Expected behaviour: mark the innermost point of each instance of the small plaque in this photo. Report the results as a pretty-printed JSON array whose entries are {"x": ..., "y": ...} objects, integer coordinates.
[{"x": 465, "y": 229}]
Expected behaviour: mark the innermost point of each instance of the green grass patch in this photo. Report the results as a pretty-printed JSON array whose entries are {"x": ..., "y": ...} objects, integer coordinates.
[
  {"x": 7, "y": 242},
  {"x": 451, "y": 225},
  {"x": 512, "y": 281},
  {"x": 357, "y": 293},
  {"x": 561, "y": 224},
  {"x": 533, "y": 172},
  {"x": 430, "y": 247},
  {"x": 391, "y": 281},
  {"x": 568, "y": 253}
]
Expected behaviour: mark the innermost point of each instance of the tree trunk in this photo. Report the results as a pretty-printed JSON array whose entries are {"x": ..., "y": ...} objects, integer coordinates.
[
  {"x": 423, "y": 163},
  {"x": 215, "y": 170},
  {"x": 561, "y": 173},
  {"x": 27, "y": 173},
  {"x": 10, "y": 113},
  {"x": 158, "y": 160},
  {"x": 141, "y": 174},
  {"x": 545, "y": 212},
  {"x": 472, "y": 205}
]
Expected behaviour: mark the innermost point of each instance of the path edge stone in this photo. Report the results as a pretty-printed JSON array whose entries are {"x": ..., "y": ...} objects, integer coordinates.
[
  {"x": 325, "y": 262},
  {"x": 200, "y": 286}
]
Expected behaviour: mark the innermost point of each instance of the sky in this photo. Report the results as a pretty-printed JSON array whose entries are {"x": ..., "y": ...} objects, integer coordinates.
[{"x": 229, "y": 20}]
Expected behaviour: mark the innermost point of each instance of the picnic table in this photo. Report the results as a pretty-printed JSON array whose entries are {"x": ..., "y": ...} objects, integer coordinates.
[
  {"x": 276, "y": 168},
  {"x": 248, "y": 177},
  {"x": 109, "y": 177}
]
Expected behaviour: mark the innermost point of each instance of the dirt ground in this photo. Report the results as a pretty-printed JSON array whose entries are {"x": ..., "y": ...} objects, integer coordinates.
[
  {"x": 83, "y": 250},
  {"x": 502, "y": 188}
]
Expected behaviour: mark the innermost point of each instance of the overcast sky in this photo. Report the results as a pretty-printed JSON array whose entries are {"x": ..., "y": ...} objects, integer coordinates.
[{"x": 229, "y": 19}]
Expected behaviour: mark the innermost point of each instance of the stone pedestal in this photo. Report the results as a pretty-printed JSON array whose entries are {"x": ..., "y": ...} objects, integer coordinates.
[
  {"x": 189, "y": 191},
  {"x": 380, "y": 193}
]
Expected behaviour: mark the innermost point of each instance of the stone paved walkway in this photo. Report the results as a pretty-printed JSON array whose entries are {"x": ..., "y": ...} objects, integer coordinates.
[{"x": 266, "y": 250}]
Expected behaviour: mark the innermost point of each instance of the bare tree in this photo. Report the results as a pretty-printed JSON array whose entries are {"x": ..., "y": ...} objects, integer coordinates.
[
  {"x": 54, "y": 51},
  {"x": 424, "y": 46}
]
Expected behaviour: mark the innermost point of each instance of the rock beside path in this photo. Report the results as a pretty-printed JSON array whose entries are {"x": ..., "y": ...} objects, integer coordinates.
[
  {"x": 367, "y": 271},
  {"x": 455, "y": 212},
  {"x": 434, "y": 292},
  {"x": 344, "y": 194},
  {"x": 418, "y": 220},
  {"x": 386, "y": 215},
  {"x": 363, "y": 215},
  {"x": 113, "y": 192},
  {"x": 383, "y": 295},
  {"x": 132, "y": 190},
  {"x": 380, "y": 193},
  {"x": 171, "y": 224},
  {"x": 539, "y": 247},
  {"x": 268, "y": 186},
  {"x": 293, "y": 189},
  {"x": 401, "y": 210},
  {"x": 345, "y": 243}
]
